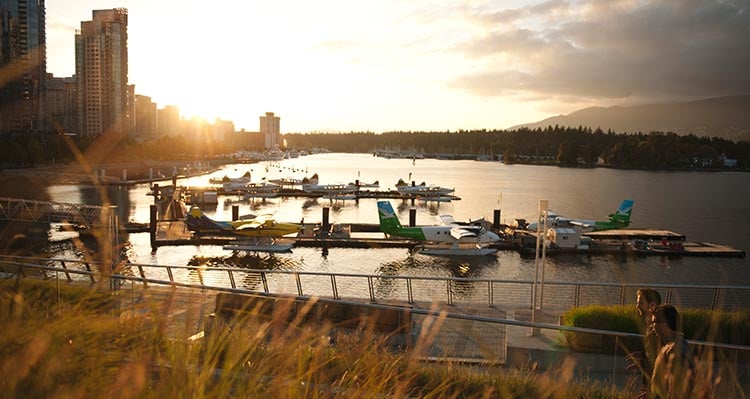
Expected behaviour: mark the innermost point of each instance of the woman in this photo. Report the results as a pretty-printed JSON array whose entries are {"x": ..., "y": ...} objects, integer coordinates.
[{"x": 674, "y": 367}]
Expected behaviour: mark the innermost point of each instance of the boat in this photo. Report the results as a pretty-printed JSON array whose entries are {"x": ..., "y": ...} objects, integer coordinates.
[
  {"x": 260, "y": 245},
  {"x": 275, "y": 155}
]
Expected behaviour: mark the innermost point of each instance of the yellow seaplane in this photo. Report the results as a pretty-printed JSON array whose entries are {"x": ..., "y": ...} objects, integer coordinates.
[{"x": 258, "y": 226}]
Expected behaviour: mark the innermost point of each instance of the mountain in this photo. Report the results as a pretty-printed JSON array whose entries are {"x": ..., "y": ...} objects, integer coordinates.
[{"x": 725, "y": 117}]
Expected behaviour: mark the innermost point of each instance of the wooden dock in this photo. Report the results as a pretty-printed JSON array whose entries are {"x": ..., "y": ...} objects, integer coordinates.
[{"x": 174, "y": 233}]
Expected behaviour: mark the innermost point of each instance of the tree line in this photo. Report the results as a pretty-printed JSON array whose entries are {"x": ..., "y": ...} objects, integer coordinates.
[{"x": 563, "y": 146}]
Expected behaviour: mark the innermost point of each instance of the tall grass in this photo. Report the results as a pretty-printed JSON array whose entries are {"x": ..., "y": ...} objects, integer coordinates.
[{"x": 73, "y": 342}]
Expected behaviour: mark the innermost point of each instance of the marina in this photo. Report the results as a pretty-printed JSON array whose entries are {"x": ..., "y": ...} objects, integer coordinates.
[
  {"x": 176, "y": 234},
  {"x": 679, "y": 202}
]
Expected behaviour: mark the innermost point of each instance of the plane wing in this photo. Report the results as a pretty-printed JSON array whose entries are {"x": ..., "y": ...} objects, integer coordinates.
[
  {"x": 582, "y": 223},
  {"x": 459, "y": 233},
  {"x": 447, "y": 220},
  {"x": 253, "y": 224}
]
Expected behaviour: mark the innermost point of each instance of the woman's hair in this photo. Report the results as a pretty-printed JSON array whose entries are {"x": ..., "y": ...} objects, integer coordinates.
[
  {"x": 651, "y": 295},
  {"x": 670, "y": 315}
]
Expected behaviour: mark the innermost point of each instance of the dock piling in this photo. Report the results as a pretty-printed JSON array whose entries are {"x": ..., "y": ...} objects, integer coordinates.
[
  {"x": 235, "y": 212},
  {"x": 326, "y": 212},
  {"x": 412, "y": 217},
  {"x": 496, "y": 219},
  {"x": 152, "y": 226}
]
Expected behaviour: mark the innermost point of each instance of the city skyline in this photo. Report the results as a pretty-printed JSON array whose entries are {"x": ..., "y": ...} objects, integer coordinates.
[{"x": 335, "y": 66}]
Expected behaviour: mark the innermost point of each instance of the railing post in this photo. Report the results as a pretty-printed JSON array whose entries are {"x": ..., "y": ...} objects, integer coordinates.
[
  {"x": 371, "y": 289},
  {"x": 622, "y": 295},
  {"x": 91, "y": 275},
  {"x": 450, "y": 292},
  {"x": 490, "y": 294},
  {"x": 21, "y": 272},
  {"x": 169, "y": 273},
  {"x": 409, "y": 292},
  {"x": 299, "y": 284},
  {"x": 334, "y": 289},
  {"x": 143, "y": 276},
  {"x": 669, "y": 296},
  {"x": 200, "y": 276},
  {"x": 264, "y": 280},
  {"x": 231, "y": 279},
  {"x": 715, "y": 299},
  {"x": 577, "y": 296},
  {"x": 67, "y": 275}
]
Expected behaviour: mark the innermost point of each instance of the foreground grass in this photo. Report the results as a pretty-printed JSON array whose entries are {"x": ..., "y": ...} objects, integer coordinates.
[{"x": 73, "y": 342}]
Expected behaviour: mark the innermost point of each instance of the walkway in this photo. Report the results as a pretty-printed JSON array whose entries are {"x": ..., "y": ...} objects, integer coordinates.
[{"x": 450, "y": 339}]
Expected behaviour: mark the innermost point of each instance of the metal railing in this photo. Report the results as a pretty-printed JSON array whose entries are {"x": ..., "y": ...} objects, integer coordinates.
[
  {"x": 88, "y": 271},
  {"x": 45, "y": 211},
  {"x": 560, "y": 295}
]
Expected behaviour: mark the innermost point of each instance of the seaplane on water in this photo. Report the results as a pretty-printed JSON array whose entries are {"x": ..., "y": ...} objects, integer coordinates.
[
  {"x": 259, "y": 226},
  {"x": 423, "y": 189},
  {"x": 330, "y": 189},
  {"x": 260, "y": 190},
  {"x": 618, "y": 220},
  {"x": 450, "y": 238},
  {"x": 232, "y": 183},
  {"x": 290, "y": 181}
]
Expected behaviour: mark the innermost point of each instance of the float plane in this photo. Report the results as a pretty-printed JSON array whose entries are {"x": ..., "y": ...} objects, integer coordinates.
[
  {"x": 618, "y": 220},
  {"x": 462, "y": 239},
  {"x": 259, "y": 226}
]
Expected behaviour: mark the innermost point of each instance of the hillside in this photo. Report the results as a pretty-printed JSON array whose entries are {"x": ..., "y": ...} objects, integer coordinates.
[{"x": 725, "y": 117}]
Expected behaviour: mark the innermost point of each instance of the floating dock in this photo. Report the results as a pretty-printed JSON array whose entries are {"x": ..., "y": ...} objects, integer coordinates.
[{"x": 635, "y": 241}]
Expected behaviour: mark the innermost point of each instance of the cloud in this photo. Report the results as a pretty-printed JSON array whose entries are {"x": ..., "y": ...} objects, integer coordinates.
[{"x": 612, "y": 50}]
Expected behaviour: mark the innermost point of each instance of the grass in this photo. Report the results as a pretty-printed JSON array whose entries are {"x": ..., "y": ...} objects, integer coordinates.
[{"x": 70, "y": 341}]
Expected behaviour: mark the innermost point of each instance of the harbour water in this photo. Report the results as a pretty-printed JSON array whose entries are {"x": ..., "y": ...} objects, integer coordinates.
[{"x": 704, "y": 206}]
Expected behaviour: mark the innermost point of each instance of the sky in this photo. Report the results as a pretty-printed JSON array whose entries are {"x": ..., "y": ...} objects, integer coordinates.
[{"x": 419, "y": 65}]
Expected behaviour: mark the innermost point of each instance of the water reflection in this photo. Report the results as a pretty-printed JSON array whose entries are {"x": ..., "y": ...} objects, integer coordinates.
[
  {"x": 416, "y": 265},
  {"x": 109, "y": 195},
  {"x": 246, "y": 260}
]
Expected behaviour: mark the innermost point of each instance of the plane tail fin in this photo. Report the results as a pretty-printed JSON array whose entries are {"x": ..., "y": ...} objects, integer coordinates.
[
  {"x": 389, "y": 222},
  {"x": 622, "y": 215}
]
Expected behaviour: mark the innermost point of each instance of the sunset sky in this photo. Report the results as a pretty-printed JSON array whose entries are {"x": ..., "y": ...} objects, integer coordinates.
[{"x": 383, "y": 65}]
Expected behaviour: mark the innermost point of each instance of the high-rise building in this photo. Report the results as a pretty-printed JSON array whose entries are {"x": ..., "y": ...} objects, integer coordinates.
[
  {"x": 270, "y": 129},
  {"x": 60, "y": 100},
  {"x": 23, "y": 65},
  {"x": 168, "y": 122},
  {"x": 103, "y": 96},
  {"x": 145, "y": 117}
]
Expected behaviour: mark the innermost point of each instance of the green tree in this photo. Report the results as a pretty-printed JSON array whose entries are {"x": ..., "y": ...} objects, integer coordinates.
[{"x": 566, "y": 154}]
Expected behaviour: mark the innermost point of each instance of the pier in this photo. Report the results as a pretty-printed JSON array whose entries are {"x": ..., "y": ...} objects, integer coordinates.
[{"x": 175, "y": 233}]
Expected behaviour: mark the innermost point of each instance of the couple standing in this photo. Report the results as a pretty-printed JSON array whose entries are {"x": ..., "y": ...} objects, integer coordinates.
[{"x": 667, "y": 363}]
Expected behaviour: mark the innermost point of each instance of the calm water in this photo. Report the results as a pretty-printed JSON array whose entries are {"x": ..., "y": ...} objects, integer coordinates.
[{"x": 704, "y": 206}]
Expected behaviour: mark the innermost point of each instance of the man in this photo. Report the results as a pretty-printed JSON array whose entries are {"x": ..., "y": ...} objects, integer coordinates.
[
  {"x": 646, "y": 299},
  {"x": 674, "y": 367}
]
